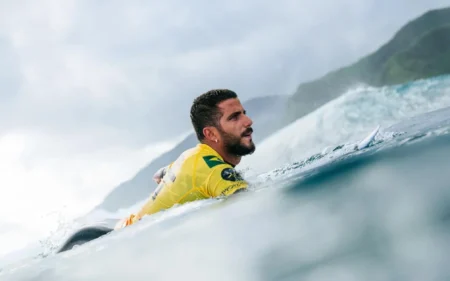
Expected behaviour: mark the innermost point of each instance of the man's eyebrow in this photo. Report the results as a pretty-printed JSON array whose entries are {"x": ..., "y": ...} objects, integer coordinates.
[{"x": 236, "y": 114}]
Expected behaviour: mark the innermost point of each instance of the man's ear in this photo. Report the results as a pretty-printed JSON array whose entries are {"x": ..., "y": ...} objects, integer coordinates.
[{"x": 210, "y": 134}]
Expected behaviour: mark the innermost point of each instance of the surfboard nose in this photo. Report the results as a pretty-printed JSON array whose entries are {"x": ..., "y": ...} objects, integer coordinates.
[{"x": 83, "y": 236}]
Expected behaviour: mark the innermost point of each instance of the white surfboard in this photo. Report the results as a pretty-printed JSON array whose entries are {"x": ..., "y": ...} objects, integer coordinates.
[{"x": 367, "y": 140}]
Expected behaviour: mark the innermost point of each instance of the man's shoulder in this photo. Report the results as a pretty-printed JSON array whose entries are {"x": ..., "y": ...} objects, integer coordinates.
[
  {"x": 218, "y": 169},
  {"x": 209, "y": 157},
  {"x": 202, "y": 156},
  {"x": 207, "y": 160}
]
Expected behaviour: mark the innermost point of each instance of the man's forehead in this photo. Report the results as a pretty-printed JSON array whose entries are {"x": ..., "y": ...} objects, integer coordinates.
[{"x": 230, "y": 105}]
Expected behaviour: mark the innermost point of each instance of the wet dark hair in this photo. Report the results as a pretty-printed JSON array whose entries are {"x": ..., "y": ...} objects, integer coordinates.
[{"x": 204, "y": 110}]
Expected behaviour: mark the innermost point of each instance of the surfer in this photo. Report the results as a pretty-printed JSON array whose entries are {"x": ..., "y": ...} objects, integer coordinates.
[{"x": 207, "y": 170}]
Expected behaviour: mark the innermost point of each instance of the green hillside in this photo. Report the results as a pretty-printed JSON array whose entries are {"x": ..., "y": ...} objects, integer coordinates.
[
  {"x": 428, "y": 57},
  {"x": 418, "y": 50}
]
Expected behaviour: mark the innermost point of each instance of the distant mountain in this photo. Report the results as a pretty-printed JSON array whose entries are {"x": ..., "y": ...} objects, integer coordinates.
[
  {"x": 266, "y": 113},
  {"x": 420, "y": 49}
]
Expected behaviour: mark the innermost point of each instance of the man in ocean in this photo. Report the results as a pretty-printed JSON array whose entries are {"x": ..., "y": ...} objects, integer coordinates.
[{"x": 208, "y": 169}]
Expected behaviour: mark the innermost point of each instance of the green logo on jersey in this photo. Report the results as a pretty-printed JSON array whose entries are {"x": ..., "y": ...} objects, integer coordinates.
[{"x": 212, "y": 161}]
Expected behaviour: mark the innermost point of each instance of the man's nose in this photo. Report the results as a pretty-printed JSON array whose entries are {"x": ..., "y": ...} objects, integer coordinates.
[{"x": 248, "y": 121}]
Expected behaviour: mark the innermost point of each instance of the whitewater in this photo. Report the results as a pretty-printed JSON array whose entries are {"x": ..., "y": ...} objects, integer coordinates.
[{"x": 318, "y": 209}]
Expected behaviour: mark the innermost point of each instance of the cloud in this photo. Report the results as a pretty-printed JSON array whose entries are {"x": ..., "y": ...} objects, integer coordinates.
[{"x": 131, "y": 70}]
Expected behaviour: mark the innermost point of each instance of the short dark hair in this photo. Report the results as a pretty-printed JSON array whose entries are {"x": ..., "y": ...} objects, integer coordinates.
[{"x": 204, "y": 110}]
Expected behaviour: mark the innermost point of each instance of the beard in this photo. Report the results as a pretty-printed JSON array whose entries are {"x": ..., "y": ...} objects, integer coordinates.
[{"x": 234, "y": 146}]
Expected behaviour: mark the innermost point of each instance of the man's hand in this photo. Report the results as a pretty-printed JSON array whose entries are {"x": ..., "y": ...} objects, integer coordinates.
[
  {"x": 124, "y": 222},
  {"x": 157, "y": 177}
]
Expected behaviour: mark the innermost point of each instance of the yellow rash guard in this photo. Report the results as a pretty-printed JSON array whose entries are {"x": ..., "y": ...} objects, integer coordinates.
[{"x": 199, "y": 173}]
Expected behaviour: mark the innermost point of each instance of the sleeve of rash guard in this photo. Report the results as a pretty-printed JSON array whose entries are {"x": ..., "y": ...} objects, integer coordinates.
[{"x": 224, "y": 181}]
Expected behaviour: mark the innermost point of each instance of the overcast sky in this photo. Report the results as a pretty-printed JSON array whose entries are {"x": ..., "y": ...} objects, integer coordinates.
[{"x": 88, "y": 87}]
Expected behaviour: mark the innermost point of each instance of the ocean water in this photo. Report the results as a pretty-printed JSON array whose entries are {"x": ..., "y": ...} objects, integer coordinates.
[
  {"x": 317, "y": 210},
  {"x": 347, "y": 119}
]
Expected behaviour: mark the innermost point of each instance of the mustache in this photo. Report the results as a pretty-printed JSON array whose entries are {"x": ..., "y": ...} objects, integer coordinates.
[{"x": 248, "y": 131}]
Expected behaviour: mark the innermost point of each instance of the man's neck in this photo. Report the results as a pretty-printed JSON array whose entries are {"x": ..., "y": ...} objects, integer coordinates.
[{"x": 231, "y": 159}]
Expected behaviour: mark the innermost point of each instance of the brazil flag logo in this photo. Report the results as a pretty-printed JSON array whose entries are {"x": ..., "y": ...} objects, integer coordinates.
[{"x": 212, "y": 161}]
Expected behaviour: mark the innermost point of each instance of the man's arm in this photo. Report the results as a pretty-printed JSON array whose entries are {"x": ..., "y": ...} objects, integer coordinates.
[{"x": 157, "y": 177}]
